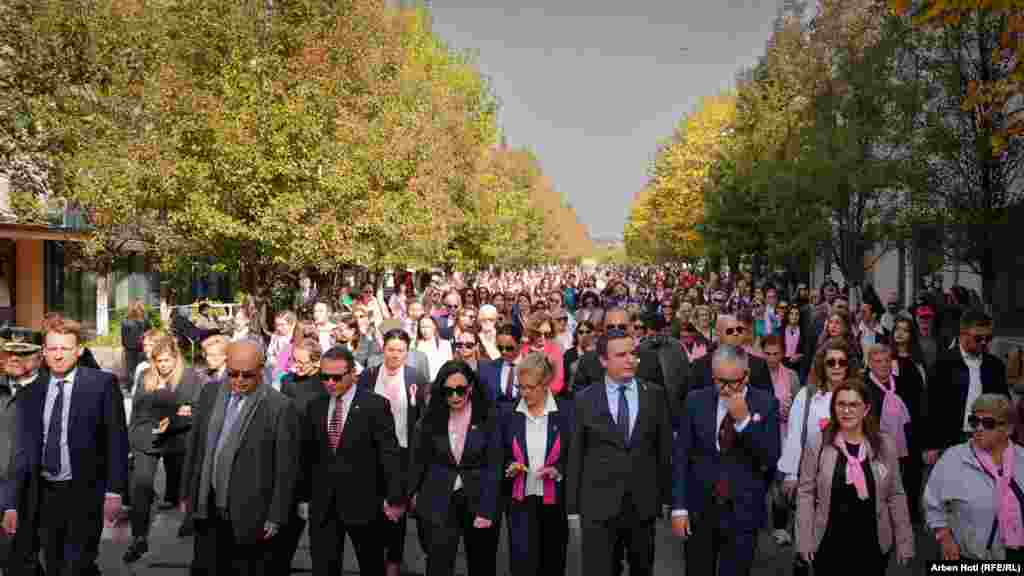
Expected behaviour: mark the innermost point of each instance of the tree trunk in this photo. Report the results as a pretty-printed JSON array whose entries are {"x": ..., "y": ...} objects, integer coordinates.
[{"x": 104, "y": 280}]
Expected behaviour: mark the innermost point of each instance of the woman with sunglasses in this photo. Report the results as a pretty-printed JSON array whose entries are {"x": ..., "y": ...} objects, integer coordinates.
[
  {"x": 974, "y": 497},
  {"x": 467, "y": 348},
  {"x": 455, "y": 474},
  {"x": 540, "y": 332},
  {"x": 851, "y": 499},
  {"x": 810, "y": 412},
  {"x": 584, "y": 340}
]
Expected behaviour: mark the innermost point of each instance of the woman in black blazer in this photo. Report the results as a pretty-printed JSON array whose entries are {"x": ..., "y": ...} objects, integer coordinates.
[
  {"x": 161, "y": 415},
  {"x": 455, "y": 473},
  {"x": 535, "y": 441}
]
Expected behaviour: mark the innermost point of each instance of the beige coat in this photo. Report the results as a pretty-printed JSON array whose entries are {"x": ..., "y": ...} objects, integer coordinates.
[{"x": 815, "y": 492}]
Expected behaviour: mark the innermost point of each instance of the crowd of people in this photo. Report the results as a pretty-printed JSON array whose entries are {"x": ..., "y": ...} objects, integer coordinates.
[{"x": 537, "y": 403}]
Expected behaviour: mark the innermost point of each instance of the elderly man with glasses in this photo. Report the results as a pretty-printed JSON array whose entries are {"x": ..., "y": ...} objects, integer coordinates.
[{"x": 732, "y": 332}]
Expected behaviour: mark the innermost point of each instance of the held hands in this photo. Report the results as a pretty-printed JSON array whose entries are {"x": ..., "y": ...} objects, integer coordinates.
[
  {"x": 164, "y": 425},
  {"x": 681, "y": 526},
  {"x": 111, "y": 508},
  {"x": 481, "y": 522},
  {"x": 269, "y": 530},
  {"x": 10, "y": 523},
  {"x": 549, "y": 472},
  {"x": 394, "y": 513},
  {"x": 185, "y": 411},
  {"x": 515, "y": 469},
  {"x": 950, "y": 549},
  {"x": 789, "y": 488},
  {"x": 303, "y": 511},
  {"x": 699, "y": 351}
]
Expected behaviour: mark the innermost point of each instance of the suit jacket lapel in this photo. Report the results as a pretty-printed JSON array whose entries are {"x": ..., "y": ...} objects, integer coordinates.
[
  {"x": 604, "y": 414},
  {"x": 78, "y": 393},
  {"x": 555, "y": 425},
  {"x": 257, "y": 398},
  {"x": 641, "y": 416}
]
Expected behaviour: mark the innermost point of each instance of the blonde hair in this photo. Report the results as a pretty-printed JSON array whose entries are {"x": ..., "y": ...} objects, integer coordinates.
[
  {"x": 997, "y": 405},
  {"x": 151, "y": 378},
  {"x": 536, "y": 364}
]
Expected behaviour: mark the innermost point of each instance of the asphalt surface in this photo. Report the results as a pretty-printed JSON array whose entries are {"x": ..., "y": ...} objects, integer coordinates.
[{"x": 170, "y": 555}]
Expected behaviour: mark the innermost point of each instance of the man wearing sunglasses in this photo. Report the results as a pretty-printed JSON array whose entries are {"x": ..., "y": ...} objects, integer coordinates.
[
  {"x": 499, "y": 377},
  {"x": 732, "y": 332},
  {"x": 960, "y": 376},
  {"x": 241, "y": 468}
]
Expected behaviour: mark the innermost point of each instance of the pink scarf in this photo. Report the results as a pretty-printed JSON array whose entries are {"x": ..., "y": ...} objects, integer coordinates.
[
  {"x": 393, "y": 387},
  {"x": 895, "y": 415},
  {"x": 792, "y": 341},
  {"x": 519, "y": 484},
  {"x": 458, "y": 426},
  {"x": 854, "y": 470},
  {"x": 1009, "y": 512}
]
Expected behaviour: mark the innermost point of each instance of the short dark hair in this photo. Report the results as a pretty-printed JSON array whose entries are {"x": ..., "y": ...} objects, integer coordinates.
[
  {"x": 602, "y": 342},
  {"x": 339, "y": 353},
  {"x": 397, "y": 334},
  {"x": 974, "y": 318}
]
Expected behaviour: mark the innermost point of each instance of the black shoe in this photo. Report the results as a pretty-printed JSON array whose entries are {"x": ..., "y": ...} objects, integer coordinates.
[{"x": 136, "y": 551}]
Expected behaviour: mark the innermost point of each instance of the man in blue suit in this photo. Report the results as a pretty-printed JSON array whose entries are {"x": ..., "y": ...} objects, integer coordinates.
[
  {"x": 499, "y": 377},
  {"x": 726, "y": 450},
  {"x": 73, "y": 445}
]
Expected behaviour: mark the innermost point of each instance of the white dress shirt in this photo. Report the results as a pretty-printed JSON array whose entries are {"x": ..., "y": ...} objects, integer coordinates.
[
  {"x": 507, "y": 367},
  {"x": 975, "y": 388},
  {"x": 51, "y": 397},
  {"x": 789, "y": 463},
  {"x": 536, "y": 443}
]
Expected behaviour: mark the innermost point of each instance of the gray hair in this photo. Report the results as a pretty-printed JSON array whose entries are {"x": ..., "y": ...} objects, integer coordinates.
[
  {"x": 487, "y": 308},
  {"x": 730, "y": 355},
  {"x": 536, "y": 364},
  {"x": 997, "y": 405}
]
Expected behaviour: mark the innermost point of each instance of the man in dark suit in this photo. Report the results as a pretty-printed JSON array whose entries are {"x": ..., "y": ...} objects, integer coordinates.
[
  {"x": 661, "y": 361},
  {"x": 241, "y": 468},
  {"x": 725, "y": 452},
  {"x": 960, "y": 376},
  {"x": 590, "y": 368},
  {"x": 731, "y": 332},
  {"x": 350, "y": 469},
  {"x": 20, "y": 554},
  {"x": 79, "y": 465},
  {"x": 499, "y": 377},
  {"x": 619, "y": 461}
]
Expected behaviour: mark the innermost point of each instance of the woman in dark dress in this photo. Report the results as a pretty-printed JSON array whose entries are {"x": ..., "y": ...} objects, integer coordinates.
[
  {"x": 850, "y": 501},
  {"x": 161, "y": 414},
  {"x": 132, "y": 330}
]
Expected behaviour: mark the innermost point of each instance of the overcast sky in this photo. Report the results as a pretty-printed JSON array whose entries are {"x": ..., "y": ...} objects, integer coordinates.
[{"x": 593, "y": 85}]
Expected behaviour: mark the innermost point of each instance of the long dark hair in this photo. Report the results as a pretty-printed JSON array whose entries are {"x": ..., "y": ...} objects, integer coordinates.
[
  {"x": 916, "y": 352},
  {"x": 871, "y": 426},
  {"x": 436, "y": 417}
]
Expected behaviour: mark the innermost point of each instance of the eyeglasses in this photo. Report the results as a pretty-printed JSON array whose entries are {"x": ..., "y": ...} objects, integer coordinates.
[
  {"x": 334, "y": 378},
  {"x": 506, "y": 348},
  {"x": 243, "y": 374},
  {"x": 619, "y": 327},
  {"x": 848, "y": 406},
  {"x": 725, "y": 383},
  {"x": 735, "y": 330},
  {"x": 466, "y": 345},
  {"x": 986, "y": 422},
  {"x": 837, "y": 362},
  {"x": 459, "y": 391}
]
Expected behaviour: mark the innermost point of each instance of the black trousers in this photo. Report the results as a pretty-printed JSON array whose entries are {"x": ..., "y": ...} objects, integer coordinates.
[
  {"x": 601, "y": 537},
  {"x": 716, "y": 546},
  {"x": 71, "y": 524},
  {"x": 217, "y": 552},
  {"x": 327, "y": 547},
  {"x": 143, "y": 494},
  {"x": 481, "y": 544},
  {"x": 286, "y": 544},
  {"x": 538, "y": 537},
  {"x": 16, "y": 559},
  {"x": 393, "y": 533}
]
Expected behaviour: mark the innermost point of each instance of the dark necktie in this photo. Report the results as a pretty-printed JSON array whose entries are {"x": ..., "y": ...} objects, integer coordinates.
[
  {"x": 726, "y": 440},
  {"x": 509, "y": 380},
  {"x": 622, "y": 418},
  {"x": 55, "y": 431}
]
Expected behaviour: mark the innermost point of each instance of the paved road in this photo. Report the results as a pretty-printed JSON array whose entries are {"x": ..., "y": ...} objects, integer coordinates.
[{"x": 170, "y": 555}]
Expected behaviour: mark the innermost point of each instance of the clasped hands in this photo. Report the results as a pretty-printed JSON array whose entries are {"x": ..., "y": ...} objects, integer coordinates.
[{"x": 548, "y": 472}]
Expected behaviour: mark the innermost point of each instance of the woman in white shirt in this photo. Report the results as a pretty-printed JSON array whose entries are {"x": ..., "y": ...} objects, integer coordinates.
[{"x": 437, "y": 349}]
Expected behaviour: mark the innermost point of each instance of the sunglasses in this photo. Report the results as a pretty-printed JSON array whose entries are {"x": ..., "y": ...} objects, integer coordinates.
[
  {"x": 334, "y": 378},
  {"x": 540, "y": 334},
  {"x": 735, "y": 330},
  {"x": 506, "y": 348},
  {"x": 243, "y": 374},
  {"x": 987, "y": 422},
  {"x": 837, "y": 362},
  {"x": 459, "y": 391},
  {"x": 619, "y": 327}
]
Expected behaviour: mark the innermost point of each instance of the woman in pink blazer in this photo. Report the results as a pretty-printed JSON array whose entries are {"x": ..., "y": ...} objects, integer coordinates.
[
  {"x": 540, "y": 337},
  {"x": 850, "y": 501}
]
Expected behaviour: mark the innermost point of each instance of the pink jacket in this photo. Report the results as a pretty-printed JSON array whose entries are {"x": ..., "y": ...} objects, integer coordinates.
[{"x": 814, "y": 498}]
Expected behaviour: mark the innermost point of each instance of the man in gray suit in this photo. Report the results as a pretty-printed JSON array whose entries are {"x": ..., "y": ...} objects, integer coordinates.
[{"x": 241, "y": 466}]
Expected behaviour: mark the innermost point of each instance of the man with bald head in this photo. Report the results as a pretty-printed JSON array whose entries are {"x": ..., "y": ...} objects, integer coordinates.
[
  {"x": 241, "y": 468},
  {"x": 732, "y": 332}
]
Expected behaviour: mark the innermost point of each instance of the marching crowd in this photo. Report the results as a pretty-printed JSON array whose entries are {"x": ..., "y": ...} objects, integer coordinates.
[{"x": 537, "y": 403}]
